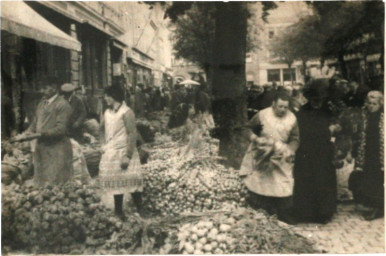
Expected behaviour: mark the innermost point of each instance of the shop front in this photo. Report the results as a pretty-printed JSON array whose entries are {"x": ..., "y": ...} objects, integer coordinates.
[{"x": 34, "y": 53}]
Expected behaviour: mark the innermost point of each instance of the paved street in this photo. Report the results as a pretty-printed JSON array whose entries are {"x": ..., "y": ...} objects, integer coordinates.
[{"x": 347, "y": 232}]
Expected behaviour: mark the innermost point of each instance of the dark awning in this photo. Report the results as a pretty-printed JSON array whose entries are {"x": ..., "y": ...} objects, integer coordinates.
[{"x": 20, "y": 19}]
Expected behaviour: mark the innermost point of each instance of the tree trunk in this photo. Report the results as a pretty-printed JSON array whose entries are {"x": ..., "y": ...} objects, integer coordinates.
[
  {"x": 342, "y": 65},
  {"x": 229, "y": 83}
]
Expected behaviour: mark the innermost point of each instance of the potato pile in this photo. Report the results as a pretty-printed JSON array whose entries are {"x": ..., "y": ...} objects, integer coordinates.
[
  {"x": 234, "y": 230},
  {"x": 55, "y": 219},
  {"x": 206, "y": 237}
]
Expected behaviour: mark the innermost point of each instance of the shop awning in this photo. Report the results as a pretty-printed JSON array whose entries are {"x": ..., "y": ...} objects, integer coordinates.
[{"x": 20, "y": 19}]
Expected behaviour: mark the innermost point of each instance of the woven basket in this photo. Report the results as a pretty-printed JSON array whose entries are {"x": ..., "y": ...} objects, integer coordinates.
[{"x": 93, "y": 157}]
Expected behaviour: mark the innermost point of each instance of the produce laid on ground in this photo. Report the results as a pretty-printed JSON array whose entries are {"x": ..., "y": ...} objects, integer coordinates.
[
  {"x": 185, "y": 178},
  {"x": 195, "y": 205},
  {"x": 235, "y": 231},
  {"x": 55, "y": 219},
  {"x": 69, "y": 219}
]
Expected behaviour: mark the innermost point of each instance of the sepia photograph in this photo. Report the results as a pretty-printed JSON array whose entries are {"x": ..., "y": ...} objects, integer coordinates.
[{"x": 181, "y": 127}]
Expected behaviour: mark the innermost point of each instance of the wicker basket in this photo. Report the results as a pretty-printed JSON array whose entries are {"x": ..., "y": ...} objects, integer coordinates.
[{"x": 93, "y": 157}]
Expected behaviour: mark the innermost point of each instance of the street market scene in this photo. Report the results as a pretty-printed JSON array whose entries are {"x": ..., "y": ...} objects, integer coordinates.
[{"x": 192, "y": 127}]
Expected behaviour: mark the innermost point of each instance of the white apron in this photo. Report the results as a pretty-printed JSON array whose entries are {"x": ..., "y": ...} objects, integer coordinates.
[
  {"x": 112, "y": 179},
  {"x": 274, "y": 178}
]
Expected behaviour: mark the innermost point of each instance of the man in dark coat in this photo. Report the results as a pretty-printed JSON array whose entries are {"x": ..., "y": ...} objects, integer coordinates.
[
  {"x": 315, "y": 190},
  {"x": 268, "y": 96},
  {"x": 179, "y": 107},
  {"x": 53, "y": 153},
  {"x": 202, "y": 101},
  {"x": 255, "y": 97}
]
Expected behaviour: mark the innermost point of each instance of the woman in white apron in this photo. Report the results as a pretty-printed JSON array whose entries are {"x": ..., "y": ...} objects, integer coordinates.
[{"x": 119, "y": 169}]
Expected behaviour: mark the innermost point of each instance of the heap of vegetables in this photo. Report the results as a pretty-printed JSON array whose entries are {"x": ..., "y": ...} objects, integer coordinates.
[
  {"x": 206, "y": 237},
  {"x": 189, "y": 178},
  {"x": 61, "y": 219},
  {"x": 235, "y": 231},
  {"x": 16, "y": 163}
]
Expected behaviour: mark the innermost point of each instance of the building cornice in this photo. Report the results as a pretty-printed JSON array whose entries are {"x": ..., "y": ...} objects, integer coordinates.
[{"x": 82, "y": 13}]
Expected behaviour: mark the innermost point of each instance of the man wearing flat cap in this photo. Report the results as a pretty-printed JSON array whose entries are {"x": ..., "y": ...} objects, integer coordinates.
[
  {"x": 53, "y": 152},
  {"x": 79, "y": 113}
]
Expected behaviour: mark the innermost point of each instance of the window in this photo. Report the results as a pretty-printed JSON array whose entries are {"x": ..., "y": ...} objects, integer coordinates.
[
  {"x": 273, "y": 75},
  {"x": 271, "y": 34},
  {"x": 287, "y": 74}
]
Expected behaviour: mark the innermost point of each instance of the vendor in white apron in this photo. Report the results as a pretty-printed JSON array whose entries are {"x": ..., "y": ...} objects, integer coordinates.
[
  {"x": 268, "y": 162},
  {"x": 119, "y": 169}
]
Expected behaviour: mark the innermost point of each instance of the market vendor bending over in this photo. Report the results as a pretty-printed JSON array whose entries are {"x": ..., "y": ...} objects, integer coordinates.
[
  {"x": 268, "y": 163},
  {"x": 119, "y": 169}
]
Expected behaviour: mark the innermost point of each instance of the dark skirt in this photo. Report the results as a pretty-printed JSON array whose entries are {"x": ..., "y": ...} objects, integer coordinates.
[
  {"x": 269, "y": 203},
  {"x": 368, "y": 189}
]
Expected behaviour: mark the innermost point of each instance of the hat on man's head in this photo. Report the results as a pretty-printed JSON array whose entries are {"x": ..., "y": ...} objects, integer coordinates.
[
  {"x": 317, "y": 88},
  {"x": 67, "y": 87}
]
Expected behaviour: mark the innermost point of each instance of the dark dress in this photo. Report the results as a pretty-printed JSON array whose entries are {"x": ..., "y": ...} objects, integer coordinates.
[
  {"x": 367, "y": 186},
  {"x": 371, "y": 188},
  {"x": 315, "y": 190}
]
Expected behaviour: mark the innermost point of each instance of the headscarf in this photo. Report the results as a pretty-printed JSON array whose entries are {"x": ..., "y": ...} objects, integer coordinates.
[{"x": 376, "y": 95}]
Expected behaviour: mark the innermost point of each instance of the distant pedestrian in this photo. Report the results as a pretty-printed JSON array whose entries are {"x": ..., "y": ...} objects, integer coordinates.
[
  {"x": 179, "y": 107},
  {"x": 255, "y": 97},
  {"x": 367, "y": 180},
  {"x": 202, "y": 101},
  {"x": 140, "y": 101},
  {"x": 268, "y": 96}
]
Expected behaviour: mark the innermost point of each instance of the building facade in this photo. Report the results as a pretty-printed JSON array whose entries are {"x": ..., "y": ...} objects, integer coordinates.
[
  {"x": 119, "y": 42},
  {"x": 261, "y": 67}
]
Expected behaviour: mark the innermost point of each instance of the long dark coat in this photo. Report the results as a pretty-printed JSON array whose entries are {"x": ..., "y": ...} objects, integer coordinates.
[
  {"x": 53, "y": 152},
  {"x": 370, "y": 186},
  {"x": 315, "y": 190}
]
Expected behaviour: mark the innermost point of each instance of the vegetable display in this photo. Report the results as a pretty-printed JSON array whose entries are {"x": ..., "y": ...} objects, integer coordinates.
[{"x": 189, "y": 178}]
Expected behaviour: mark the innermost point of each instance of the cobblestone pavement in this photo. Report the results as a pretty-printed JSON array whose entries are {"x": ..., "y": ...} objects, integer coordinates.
[{"x": 348, "y": 232}]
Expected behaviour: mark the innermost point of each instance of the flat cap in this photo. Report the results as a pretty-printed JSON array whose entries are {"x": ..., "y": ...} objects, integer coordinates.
[{"x": 67, "y": 87}]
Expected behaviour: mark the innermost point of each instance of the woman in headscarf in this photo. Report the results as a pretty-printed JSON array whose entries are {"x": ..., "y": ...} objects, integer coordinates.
[
  {"x": 315, "y": 190},
  {"x": 119, "y": 169},
  {"x": 367, "y": 180}
]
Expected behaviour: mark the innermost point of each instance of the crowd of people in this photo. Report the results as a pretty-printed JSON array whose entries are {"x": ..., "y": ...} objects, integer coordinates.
[{"x": 289, "y": 166}]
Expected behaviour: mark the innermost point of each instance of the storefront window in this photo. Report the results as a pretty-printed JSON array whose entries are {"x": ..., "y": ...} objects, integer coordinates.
[
  {"x": 273, "y": 75},
  {"x": 287, "y": 74}
]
